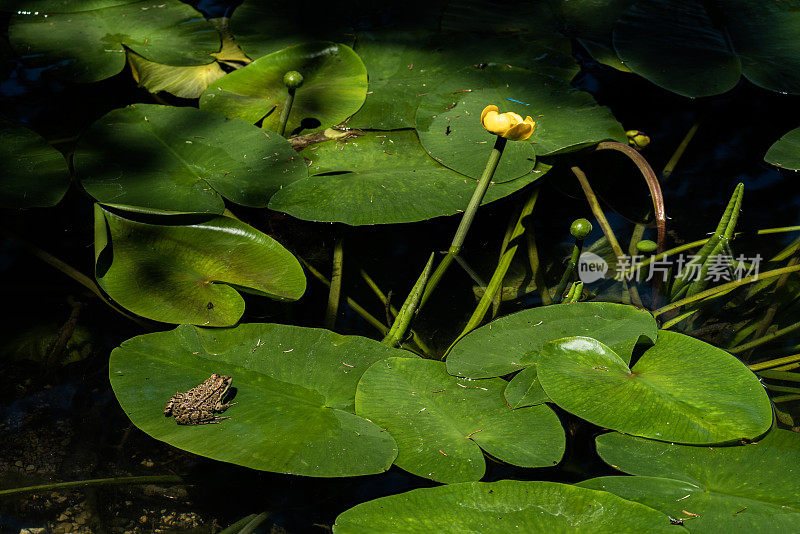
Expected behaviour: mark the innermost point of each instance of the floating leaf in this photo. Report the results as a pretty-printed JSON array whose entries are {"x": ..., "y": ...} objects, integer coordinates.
[
  {"x": 185, "y": 268},
  {"x": 383, "y": 178},
  {"x": 681, "y": 389},
  {"x": 449, "y": 125},
  {"x": 591, "y": 23},
  {"x": 182, "y": 159},
  {"x": 294, "y": 395},
  {"x": 441, "y": 423},
  {"x": 34, "y": 174},
  {"x": 513, "y": 342},
  {"x": 501, "y": 507},
  {"x": 525, "y": 389},
  {"x": 334, "y": 86},
  {"x": 741, "y": 488},
  {"x": 785, "y": 152},
  {"x": 89, "y": 46}
]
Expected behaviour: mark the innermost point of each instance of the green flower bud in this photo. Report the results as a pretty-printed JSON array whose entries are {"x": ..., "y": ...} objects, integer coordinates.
[
  {"x": 646, "y": 246},
  {"x": 580, "y": 228},
  {"x": 293, "y": 79},
  {"x": 637, "y": 139}
]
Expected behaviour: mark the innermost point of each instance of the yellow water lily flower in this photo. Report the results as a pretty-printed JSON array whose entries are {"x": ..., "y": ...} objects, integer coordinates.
[{"x": 508, "y": 125}]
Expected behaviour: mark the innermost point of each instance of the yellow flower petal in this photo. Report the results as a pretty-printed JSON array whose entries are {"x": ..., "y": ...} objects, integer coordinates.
[
  {"x": 487, "y": 109},
  {"x": 509, "y": 124}
]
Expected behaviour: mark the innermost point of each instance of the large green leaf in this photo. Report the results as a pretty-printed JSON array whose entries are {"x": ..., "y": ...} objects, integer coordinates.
[
  {"x": 89, "y": 46},
  {"x": 742, "y": 488},
  {"x": 334, "y": 87},
  {"x": 525, "y": 389},
  {"x": 501, "y": 507},
  {"x": 404, "y": 66},
  {"x": 441, "y": 423},
  {"x": 513, "y": 342},
  {"x": 681, "y": 389},
  {"x": 59, "y": 6},
  {"x": 294, "y": 395},
  {"x": 182, "y": 159},
  {"x": 185, "y": 268},
  {"x": 383, "y": 178},
  {"x": 449, "y": 125},
  {"x": 591, "y": 23},
  {"x": 34, "y": 173},
  {"x": 785, "y": 152}
]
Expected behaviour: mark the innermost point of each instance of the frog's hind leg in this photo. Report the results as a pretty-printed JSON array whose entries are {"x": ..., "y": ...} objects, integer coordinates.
[{"x": 222, "y": 407}]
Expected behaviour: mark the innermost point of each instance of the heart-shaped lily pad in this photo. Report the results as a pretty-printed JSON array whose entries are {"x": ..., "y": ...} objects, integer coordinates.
[
  {"x": 513, "y": 342},
  {"x": 334, "y": 87},
  {"x": 442, "y": 423},
  {"x": 383, "y": 178},
  {"x": 501, "y": 507},
  {"x": 184, "y": 268},
  {"x": 35, "y": 174},
  {"x": 449, "y": 120},
  {"x": 681, "y": 389},
  {"x": 740, "y": 488},
  {"x": 294, "y": 395},
  {"x": 785, "y": 152},
  {"x": 525, "y": 389},
  {"x": 182, "y": 159},
  {"x": 88, "y": 46}
]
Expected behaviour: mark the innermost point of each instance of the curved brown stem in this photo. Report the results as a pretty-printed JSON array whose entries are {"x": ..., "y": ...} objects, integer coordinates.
[{"x": 652, "y": 184}]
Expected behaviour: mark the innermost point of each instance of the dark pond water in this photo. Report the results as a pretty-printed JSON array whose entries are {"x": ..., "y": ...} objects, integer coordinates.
[{"x": 60, "y": 421}]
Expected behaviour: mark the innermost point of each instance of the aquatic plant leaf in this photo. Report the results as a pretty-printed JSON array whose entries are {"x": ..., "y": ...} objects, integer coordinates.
[
  {"x": 501, "y": 507},
  {"x": 59, "y": 6},
  {"x": 442, "y": 423},
  {"x": 182, "y": 159},
  {"x": 34, "y": 173},
  {"x": 591, "y": 23},
  {"x": 681, "y": 389},
  {"x": 739, "y": 488},
  {"x": 525, "y": 389},
  {"x": 294, "y": 393},
  {"x": 676, "y": 45},
  {"x": 513, "y": 342},
  {"x": 382, "y": 178},
  {"x": 449, "y": 125},
  {"x": 89, "y": 46},
  {"x": 785, "y": 152},
  {"x": 187, "y": 268},
  {"x": 334, "y": 87},
  {"x": 404, "y": 66}
]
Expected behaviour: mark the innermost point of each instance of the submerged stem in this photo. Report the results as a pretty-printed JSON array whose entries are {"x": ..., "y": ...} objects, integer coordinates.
[
  {"x": 336, "y": 284},
  {"x": 116, "y": 481},
  {"x": 287, "y": 108}
]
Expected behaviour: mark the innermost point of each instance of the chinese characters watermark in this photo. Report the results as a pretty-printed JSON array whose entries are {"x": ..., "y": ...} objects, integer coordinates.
[{"x": 685, "y": 267}]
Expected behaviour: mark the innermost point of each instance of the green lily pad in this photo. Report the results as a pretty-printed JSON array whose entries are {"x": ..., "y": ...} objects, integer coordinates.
[
  {"x": 681, "y": 389},
  {"x": 525, "y": 389},
  {"x": 785, "y": 152},
  {"x": 442, "y": 423},
  {"x": 742, "y": 488},
  {"x": 186, "y": 268},
  {"x": 334, "y": 87},
  {"x": 59, "y": 6},
  {"x": 513, "y": 342},
  {"x": 675, "y": 44},
  {"x": 182, "y": 159},
  {"x": 34, "y": 174},
  {"x": 449, "y": 120},
  {"x": 294, "y": 395},
  {"x": 383, "y": 178},
  {"x": 404, "y": 66},
  {"x": 501, "y": 507},
  {"x": 89, "y": 46},
  {"x": 591, "y": 23}
]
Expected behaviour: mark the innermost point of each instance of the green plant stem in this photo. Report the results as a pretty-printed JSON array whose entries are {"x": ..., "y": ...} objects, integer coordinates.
[
  {"x": 502, "y": 266},
  {"x": 116, "y": 481},
  {"x": 287, "y": 108},
  {"x": 573, "y": 261},
  {"x": 385, "y": 301},
  {"x": 574, "y": 293},
  {"x": 251, "y": 525},
  {"x": 724, "y": 288},
  {"x": 782, "y": 389},
  {"x": 785, "y": 398},
  {"x": 675, "y": 320},
  {"x": 536, "y": 268},
  {"x": 636, "y": 236},
  {"x": 777, "y": 362},
  {"x": 765, "y": 339},
  {"x": 398, "y": 330},
  {"x": 787, "y": 367},
  {"x": 676, "y": 156},
  {"x": 513, "y": 222},
  {"x": 382, "y": 328},
  {"x": 780, "y": 375},
  {"x": 630, "y": 291},
  {"x": 466, "y": 219},
  {"x": 335, "y": 290}
]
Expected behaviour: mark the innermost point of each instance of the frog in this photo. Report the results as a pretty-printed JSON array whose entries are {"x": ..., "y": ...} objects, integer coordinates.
[{"x": 201, "y": 404}]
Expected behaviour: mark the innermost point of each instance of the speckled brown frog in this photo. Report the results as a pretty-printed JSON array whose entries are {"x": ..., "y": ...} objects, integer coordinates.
[{"x": 201, "y": 404}]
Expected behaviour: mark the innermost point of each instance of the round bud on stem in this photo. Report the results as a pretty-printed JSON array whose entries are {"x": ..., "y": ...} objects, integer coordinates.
[
  {"x": 646, "y": 246},
  {"x": 580, "y": 229},
  {"x": 293, "y": 79}
]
